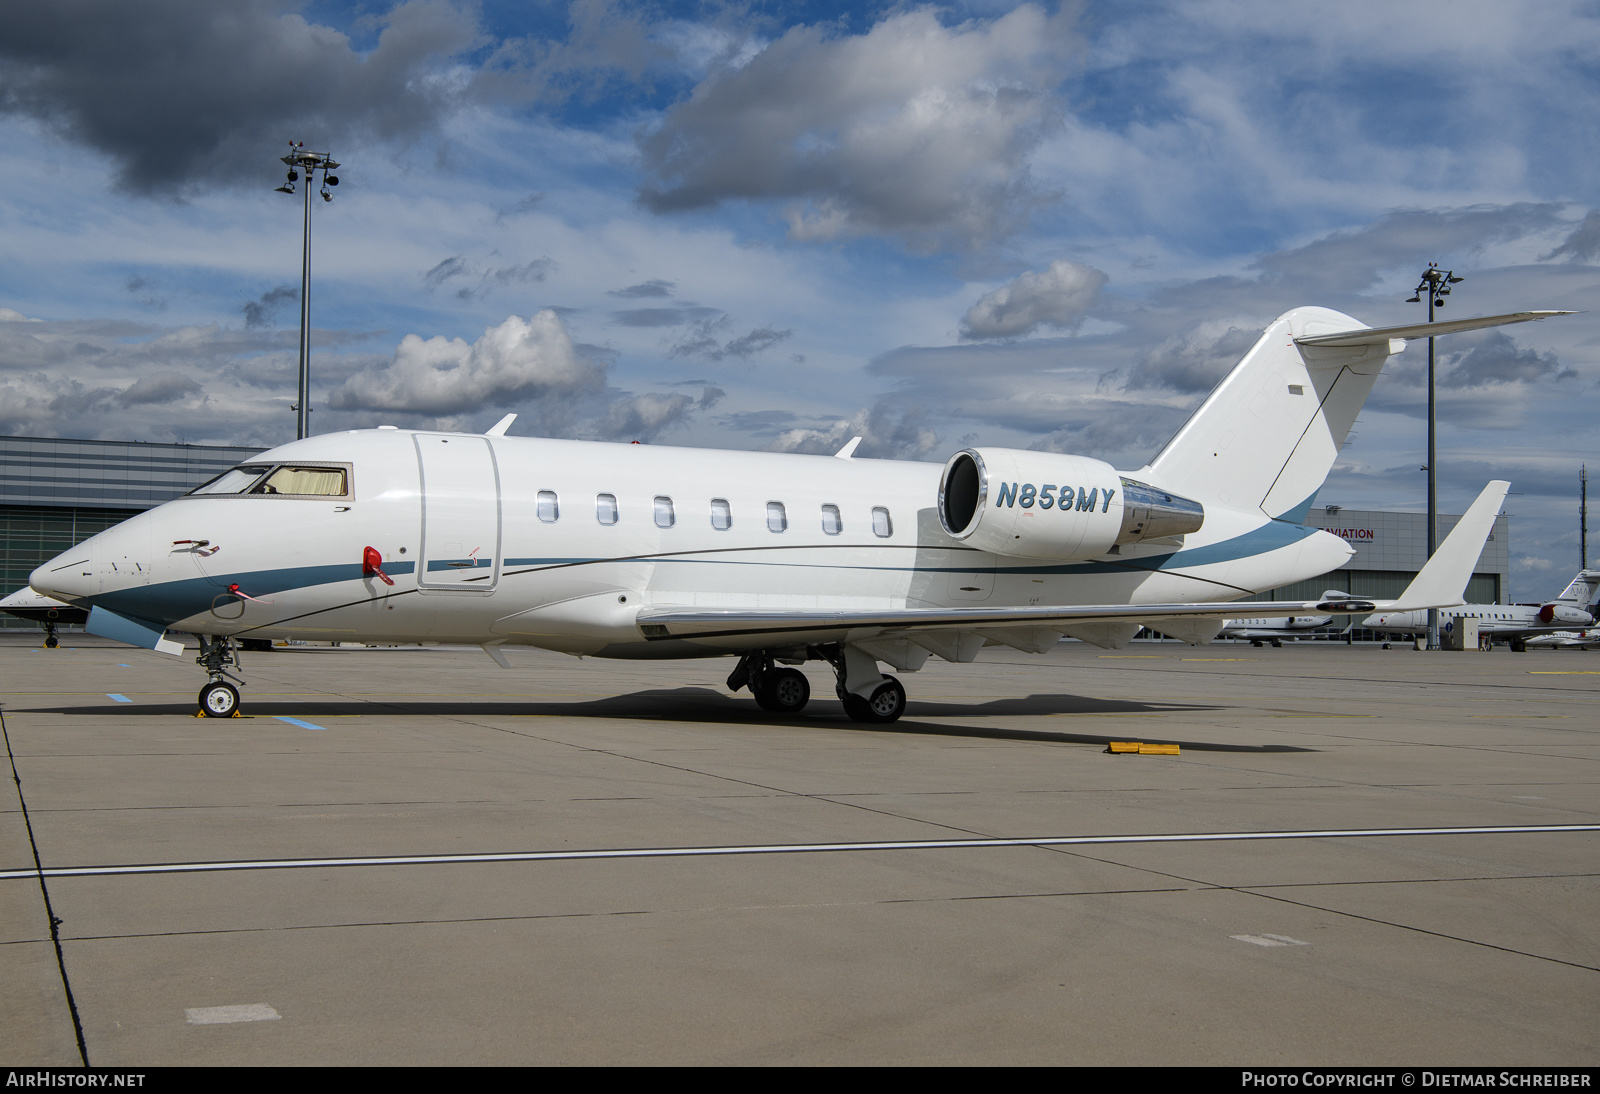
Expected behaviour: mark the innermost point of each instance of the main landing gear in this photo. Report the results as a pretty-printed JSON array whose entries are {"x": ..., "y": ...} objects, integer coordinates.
[
  {"x": 867, "y": 694},
  {"x": 779, "y": 690},
  {"x": 219, "y": 698}
]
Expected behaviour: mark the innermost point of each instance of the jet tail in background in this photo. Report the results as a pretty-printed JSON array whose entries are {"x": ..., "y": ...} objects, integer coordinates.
[
  {"x": 1442, "y": 583},
  {"x": 1584, "y": 590}
]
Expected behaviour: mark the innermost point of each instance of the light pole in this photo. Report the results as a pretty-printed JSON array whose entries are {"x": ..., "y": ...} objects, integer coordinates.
[
  {"x": 299, "y": 160},
  {"x": 1436, "y": 284}
]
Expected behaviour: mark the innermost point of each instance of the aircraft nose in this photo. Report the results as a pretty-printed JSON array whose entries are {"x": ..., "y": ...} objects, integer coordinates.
[
  {"x": 68, "y": 576},
  {"x": 115, "y": 559}
]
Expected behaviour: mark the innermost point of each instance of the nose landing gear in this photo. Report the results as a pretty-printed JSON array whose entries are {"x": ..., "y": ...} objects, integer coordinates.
[{"x": 219, "y": 698}]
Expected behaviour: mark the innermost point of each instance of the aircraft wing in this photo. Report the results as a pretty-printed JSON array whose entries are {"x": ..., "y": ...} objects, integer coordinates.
[
  {"x": 659, "y": 623},
  {"x": 1441, "y": 584}
]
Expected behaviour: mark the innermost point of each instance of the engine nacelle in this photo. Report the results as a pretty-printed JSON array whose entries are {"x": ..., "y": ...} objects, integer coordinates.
[
  {"x": 1564, "y": 613},
  {"x": 1040, "y": 505}
]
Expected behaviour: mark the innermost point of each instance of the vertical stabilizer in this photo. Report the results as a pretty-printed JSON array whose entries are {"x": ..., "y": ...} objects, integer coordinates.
[
  {"x": 1583, "y": 591},
  {"x": 1266, "y": 437}
]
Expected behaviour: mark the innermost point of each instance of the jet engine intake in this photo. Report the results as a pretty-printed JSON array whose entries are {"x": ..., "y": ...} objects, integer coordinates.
[{"x": 1040, "y": 505}]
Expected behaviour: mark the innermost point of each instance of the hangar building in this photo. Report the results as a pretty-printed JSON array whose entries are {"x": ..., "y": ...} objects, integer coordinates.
[{"x": 54, "y": 493}]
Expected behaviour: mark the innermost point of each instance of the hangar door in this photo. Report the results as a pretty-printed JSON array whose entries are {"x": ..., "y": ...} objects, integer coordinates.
[{"x": 460, "y": 513}]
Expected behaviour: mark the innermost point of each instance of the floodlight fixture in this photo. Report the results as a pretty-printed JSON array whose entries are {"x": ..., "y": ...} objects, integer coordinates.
[
  {"x": 1435, "y": 285},
  {"x": 310, "y": 163}
]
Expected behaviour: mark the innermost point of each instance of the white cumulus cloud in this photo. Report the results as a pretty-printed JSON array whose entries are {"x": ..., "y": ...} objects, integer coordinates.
[
  {"x": 1057, "y": 297},
  {"x": 520, "y": 358},
  {"x": 913, "y": 129}
]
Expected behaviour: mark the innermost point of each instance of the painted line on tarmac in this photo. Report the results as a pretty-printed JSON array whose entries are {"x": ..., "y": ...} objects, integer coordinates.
[
  {"x": 117, "y": 697},
  {"x": 778, "y": 849},
  {"x": 298, "y": 722}
]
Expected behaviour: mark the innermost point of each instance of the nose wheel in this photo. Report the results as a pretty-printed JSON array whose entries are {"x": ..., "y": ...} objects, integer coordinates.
[{"x": 219, "y": 699}]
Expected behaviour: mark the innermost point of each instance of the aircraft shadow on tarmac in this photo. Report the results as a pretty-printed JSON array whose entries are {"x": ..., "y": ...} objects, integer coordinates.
[{"x": 694, "y": 704}]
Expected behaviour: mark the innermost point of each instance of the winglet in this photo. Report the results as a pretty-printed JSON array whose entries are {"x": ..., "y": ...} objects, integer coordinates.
[
  {"x": 1442, "y": 583},
  {"x": 849, "y": 449},
  {"x": 499, "y": 428}
]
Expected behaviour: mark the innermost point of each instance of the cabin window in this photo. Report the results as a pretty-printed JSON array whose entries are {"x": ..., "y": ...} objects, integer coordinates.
[
  {"x": 549, "y": 506},
  {"x": 320, "y": 481},
  {"x": 665, "y": 516},
  {"x": 605, "y": 508},
  {"x": 882, "y": 526},
  {"x": 721, "y": 514},
  {"x": 777, "y": 518},
  {"x": 831, "y": 524},
  {"x": 234, "y": 481}
]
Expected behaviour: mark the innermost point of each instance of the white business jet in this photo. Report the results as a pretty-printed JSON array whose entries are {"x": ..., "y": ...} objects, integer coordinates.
[
  {"x": 634, "y": 551},
  {"x": 1275, "y": 630},
  {"x": 1518, "y": 625}
]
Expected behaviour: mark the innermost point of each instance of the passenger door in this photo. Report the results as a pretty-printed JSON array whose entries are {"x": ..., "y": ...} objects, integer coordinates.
[{"x": 460, "y": 513}]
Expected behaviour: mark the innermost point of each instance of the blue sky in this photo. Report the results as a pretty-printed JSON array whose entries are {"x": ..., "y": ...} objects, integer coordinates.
[{"x": 781, "y": 225}]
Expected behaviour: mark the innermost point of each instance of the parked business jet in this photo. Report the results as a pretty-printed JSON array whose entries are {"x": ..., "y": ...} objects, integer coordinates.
[
  {"x": 1564, "y": 640},
  {"x": 47, "y": 611},
  {"x": 635, "y": 551},
  {"x": 1514, "y": 624},
  {"x": 1273, "y": 630}
]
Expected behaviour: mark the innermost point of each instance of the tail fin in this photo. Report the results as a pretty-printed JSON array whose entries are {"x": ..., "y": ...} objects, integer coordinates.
[
  {"x": 1442, "y": 582},
  {"x": 1267, "y": 436},
  {"x": 1583, "y": 591}
]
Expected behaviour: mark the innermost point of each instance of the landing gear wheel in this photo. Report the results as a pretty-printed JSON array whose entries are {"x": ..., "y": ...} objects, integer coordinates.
[
  {"x": 888, "y": 702},
  {"x": 51, "y": 642},
  {"x": 219, "y": 700},
  {"x": 784, "y": 691}
]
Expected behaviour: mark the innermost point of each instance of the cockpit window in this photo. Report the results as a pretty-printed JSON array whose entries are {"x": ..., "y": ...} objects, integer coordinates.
[
  {"x": 234, "y": 481},
  {"x": 322, "y": 481},
  {"x": 284, "y": 479}
]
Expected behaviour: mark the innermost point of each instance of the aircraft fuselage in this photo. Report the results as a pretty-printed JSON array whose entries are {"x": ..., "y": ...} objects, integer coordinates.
[{"x": 560, "y": 544}]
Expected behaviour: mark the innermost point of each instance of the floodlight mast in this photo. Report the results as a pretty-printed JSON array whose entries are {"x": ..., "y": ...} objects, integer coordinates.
[
  {"x": 310, "y": 163},
  {"x": 1436, "y": 284}
]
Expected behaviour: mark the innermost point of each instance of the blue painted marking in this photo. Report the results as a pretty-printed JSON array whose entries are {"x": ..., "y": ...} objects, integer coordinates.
[
  {"x": 459, "y": 564},
  {"x": 298, "y": 722},
  {"x": 120, "y": 665},
  {"x": 1297, "y": 514},
  {"x": 118, "y": 698},
  {"x": 170, "y": 601}
]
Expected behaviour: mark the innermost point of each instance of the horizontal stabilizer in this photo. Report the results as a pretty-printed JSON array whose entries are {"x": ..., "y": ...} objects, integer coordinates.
[
  {"x": 1375, "y": 337},
  {"x": 1442, "y": 583}
]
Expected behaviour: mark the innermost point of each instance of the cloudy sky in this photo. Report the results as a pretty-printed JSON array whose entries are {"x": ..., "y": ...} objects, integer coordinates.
[{"x": 770, "y": 225}]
